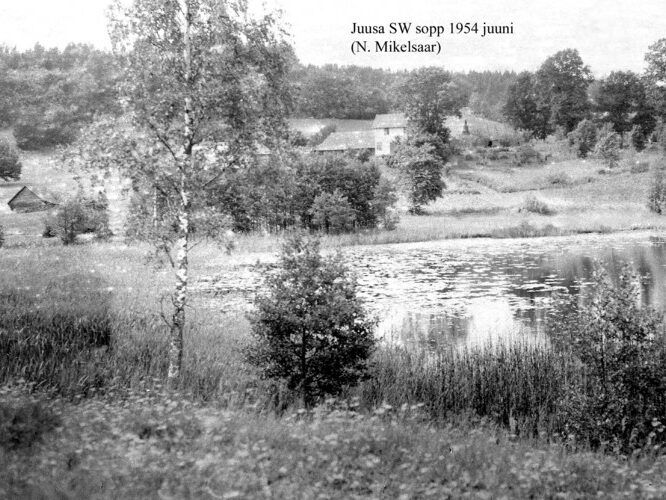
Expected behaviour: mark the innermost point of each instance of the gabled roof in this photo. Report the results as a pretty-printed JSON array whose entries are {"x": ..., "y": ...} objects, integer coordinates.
[
  {"x": 343, "y": 141},
  {"x": 391, "y": 120},
  {"x": 40, "y": 193}
]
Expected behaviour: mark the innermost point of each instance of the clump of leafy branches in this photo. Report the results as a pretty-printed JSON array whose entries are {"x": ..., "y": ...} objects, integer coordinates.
[{"x": 311, "y": 330}]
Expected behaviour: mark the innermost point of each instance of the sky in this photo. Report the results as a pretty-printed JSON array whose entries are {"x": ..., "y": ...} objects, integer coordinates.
[{"x": 610, "y": 35}]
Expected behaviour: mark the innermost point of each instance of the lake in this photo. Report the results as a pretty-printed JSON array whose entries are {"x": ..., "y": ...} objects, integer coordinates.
[{"x": 468, "y": 292}]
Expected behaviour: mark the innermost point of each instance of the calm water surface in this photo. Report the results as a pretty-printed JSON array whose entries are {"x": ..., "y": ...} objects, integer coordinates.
[{"x": 467, "y": 292}]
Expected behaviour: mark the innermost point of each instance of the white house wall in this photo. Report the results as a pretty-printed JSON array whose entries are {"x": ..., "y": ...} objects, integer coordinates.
[{"x": 383, "y": 140}]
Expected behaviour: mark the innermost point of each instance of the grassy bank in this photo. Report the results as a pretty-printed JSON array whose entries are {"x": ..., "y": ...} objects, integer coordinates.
[{"x": 155, "y": 446}]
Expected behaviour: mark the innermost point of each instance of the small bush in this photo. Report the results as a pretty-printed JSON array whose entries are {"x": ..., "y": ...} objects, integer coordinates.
[
  {"x": 23, "y": 423},
  {"x": 2, "y": 236},
  {"x": 332, "y": 213},
  {"x": 70, "y": 221},
  {"x": 657, "y": 194},
  {"x": 382, "y": 203},
  {"x": 525, "y": 154},
  {"x": 311, "y": 330},
  {"x": 620, "y": 402},
  {"x": 10, "y": 166},
  {"x": 536, "y": 206},
  {"x": 49, "y": 230},
  {"x": 583, "y": 138},
  {"x": 608, "y": 148},
  {"x": 78, "y": 216},
  {"x": 559, "y": 179},
  {"x": 508, "y": 140}
]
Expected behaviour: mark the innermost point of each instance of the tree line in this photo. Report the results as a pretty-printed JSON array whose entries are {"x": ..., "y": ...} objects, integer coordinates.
[
  {"x": 562, "y": 93},
  {"x": 48, "y": 95}
]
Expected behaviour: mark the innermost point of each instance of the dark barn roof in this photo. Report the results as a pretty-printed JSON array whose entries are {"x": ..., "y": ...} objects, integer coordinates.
[
  {"x": 344, "y": 141},
  {"x": 29, "y": 199}
]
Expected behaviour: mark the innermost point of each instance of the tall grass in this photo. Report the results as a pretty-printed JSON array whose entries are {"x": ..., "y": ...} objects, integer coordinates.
[{"x": 517, "y": 385}]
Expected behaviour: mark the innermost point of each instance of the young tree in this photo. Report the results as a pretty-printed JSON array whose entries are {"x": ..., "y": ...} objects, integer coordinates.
[
  {"x": 310, "y": 327},
  {"x": 421, "y": 170},
  {"x": 10, "y": 166},
  {"x": 584, "y": 138},
  {"x": 204, "y": 83},
  {"x": 608, "y": 148}
]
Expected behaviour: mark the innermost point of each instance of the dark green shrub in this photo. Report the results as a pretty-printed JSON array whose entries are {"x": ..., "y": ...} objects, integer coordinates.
[
  {"x": 534, "y": 205},
  {"x": 583, "y": 138},
  {"x": 23, "y": 423},
  {"x": 332, "y": 213},
  {"x": 608, "y": 148},
  {"x": 510, "y": 139},
  {"x": 37, "y": 130},
  {"x": 638, "y": 138},
  {"x": 49, "y": 230},
  {"x": 70, "y": 221},
  {"x": 384, "y": 199},
  {"x": 620, "y": 401},
  {"x": 421, "y": 169},
  {"x": 79, "y": 216},
  {"x": 560, "y": 178},
  {"x": 311, "y": 330},
  {"x": 525, "y": 154},
  {"x": 657, "y": 194},
  {"x": 280, "y": 193},
  {"x": 10, "y": 166}
]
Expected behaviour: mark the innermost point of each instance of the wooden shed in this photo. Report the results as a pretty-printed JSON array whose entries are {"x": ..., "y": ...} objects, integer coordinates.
[{"x": 31, "y": 200}]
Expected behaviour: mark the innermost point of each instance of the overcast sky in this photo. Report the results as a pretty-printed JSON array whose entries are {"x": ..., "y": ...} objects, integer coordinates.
[{"x": 611, "y": 34}]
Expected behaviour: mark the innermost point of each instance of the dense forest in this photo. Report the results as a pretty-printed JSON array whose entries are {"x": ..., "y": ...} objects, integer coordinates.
[
  {"x": 360, "y": 93},
  {"x": 47, "y": 95}
]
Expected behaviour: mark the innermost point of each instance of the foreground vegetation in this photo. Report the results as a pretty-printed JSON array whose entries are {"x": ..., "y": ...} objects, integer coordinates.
[
  {"x": 83, "y": 328},
  {"x": 156, "y": 446}
]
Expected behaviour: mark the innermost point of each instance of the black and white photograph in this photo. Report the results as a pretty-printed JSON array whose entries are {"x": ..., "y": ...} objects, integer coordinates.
[{"x": 289, "y": 249}]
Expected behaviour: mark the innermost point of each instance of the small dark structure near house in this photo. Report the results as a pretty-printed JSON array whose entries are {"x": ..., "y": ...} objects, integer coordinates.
[{"x": 29, "y": 200}]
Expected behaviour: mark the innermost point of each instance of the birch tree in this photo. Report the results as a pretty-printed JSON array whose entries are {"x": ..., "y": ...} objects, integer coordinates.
[{"x": 204, "y": 84}]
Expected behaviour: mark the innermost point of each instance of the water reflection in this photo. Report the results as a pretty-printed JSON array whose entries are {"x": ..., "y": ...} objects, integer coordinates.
[{"x": 468, "y": 293}]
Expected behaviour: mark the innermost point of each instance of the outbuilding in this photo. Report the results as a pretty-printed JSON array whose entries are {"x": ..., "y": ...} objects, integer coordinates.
[{"x": 29, "y": 199}]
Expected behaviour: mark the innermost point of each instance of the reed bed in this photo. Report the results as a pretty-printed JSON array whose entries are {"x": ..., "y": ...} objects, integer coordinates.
[{"x": 516, "y": 384}]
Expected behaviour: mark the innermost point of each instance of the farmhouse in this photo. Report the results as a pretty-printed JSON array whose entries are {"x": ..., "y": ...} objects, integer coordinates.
[
  {"x": 31, "y": 200},
  {"x": 387, "y": 128}
]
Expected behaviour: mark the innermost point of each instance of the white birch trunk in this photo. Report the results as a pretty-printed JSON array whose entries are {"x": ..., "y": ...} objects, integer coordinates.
[{"x": 182, "y": 245}]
